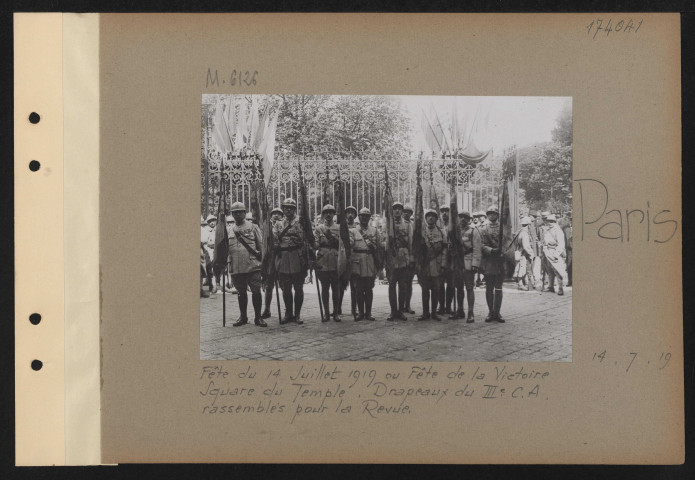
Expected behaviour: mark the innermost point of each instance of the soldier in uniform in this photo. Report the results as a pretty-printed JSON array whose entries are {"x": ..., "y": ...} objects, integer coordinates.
[
  {"x": 291, "y": 262},
  {"x": 434, "y": 264},
  {"x": 397, "y": 271},
  {"x": 275, "y": 216},
  {"x": 204, "y": 260},
  {"x": 327, "y": 234},
  {"x": 446, "y": 289},
  {"x": 492, "y": 265},
  {"x": 466, "y": 264},
  {"x": 245, "y": 253},
  {"x": 350, "y": 215},
  {"x": 524, "y": 255},
  {"x": 408, "y": 282},
  {"x": 482, "y": 221},
  {"x": 363, "y": 259},
  {"x": 554, "y": 253},
  {"x": 568, "y": 247},
  {"x": 208, "y": 240}
]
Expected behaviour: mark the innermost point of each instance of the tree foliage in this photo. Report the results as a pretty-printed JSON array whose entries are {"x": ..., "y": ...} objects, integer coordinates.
[
  {"x": 545, "y": 170},
  {"x": 319, "y": 122}
]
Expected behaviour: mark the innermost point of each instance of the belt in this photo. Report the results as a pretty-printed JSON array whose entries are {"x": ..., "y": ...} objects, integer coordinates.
[
  {"x": 327, "y": 247},
  {"x": 289, "y": 249}
]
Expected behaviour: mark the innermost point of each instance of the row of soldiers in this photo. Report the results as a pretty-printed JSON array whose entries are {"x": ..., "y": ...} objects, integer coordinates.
[{"x": 443, "y": 274}]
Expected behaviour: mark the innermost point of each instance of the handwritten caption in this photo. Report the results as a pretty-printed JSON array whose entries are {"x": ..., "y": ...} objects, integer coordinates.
[
  {"x": 642, "y": 223},
  {"x": 235, "y": 78},
  {"x": 621, "y": 26},
  {"x": 658, "y": 361},
  {"x": 309, "y": 391}
]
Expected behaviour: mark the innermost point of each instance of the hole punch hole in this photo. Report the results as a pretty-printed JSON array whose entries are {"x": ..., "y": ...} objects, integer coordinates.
[
  {"x": 35, "y": 318},
  {"x": 36, "y": 365},
  {"x": 34, "y": 165},
  {"x": 34, "y": 118}
]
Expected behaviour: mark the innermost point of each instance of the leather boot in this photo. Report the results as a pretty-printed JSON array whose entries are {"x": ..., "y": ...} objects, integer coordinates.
[
  {"x": 471, "y": 317},
  {"x": 243, "y": 320},
  {"x": 259, "y": 321}
]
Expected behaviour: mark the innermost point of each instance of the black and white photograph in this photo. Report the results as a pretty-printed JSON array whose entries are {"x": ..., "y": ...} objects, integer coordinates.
[{"x": 386, "y": 228}]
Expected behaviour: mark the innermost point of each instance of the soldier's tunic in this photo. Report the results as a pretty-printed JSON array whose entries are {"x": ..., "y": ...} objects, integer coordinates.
[
  {"x": 554, "y": 253},
  {"x": 432, "y": 267},
  {"x": 524, "y": 256},
  {"x": 493, "y": 268},
  {"x": 397, "y": 267},
  {"x": 290, "y": 263}
]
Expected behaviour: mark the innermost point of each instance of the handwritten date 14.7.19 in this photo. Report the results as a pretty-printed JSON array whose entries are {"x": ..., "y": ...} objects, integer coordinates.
[
  {"x": 659, "y": 361},
  {"x": 607, "y": 27}
]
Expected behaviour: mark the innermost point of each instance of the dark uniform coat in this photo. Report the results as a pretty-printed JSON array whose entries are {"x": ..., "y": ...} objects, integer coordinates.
[
  {"x": 489, "y": 234},
  {"x": 241, "y": 260},
  {"x": 289, "y": 241}
]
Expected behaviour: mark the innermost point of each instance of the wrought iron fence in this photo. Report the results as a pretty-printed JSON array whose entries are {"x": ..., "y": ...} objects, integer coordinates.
[{"x": 364, "y": 175}]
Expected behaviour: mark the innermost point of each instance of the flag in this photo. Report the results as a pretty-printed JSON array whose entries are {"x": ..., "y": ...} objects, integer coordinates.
[
  {"x": 305, "y": 221},
  {"x": 453, "y": 230},
  {"x": 263, "y": 122},
  {"x": 418, "y": 239},
  {"x": 433, "y": 193},
  {"x": 433, "y": 142},
  {"x": 344, "y": 250},
  {"x": 253, "y": 123},
  {"x": 230, "y": 116},
  {"x": 242, "y": 132},
  {"x": 506, "y": 233},
  {"x": 455, "y": 129},
  {"x": 439, "y": 130},
  {"x": 221, "y": 252},
  {"x": 390, "y": 226},
  {"x": 219, "y": 130},
  {"x": 328, "y": 187},
  {"x": 267, "y": 147}
]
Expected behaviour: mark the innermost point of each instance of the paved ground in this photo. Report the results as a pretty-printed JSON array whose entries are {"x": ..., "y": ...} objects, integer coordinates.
[{"x": 538, "y": 328}]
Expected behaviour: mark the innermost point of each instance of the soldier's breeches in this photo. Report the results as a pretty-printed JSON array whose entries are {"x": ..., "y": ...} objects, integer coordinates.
[
  {"x": 397, "y": 288},
  {"x": 289, "y": 281},
  {"x": 493, "y": 292},
  {"x": 250, "y": 281}
]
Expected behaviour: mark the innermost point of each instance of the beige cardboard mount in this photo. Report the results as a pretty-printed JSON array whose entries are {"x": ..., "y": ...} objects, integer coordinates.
[{"x": 104, "y": 231}]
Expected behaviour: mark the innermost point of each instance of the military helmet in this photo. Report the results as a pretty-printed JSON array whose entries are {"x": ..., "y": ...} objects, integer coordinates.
[
  {"x": 431, "y": 212},
  {"x": 249, "y": 216},
  {"x": 526, "y": 221},
  {"x": 493, "y": 209},
  {"x": 210, "y": 218},
  {"x": 407, "y": 208},
  {"x": 365, "y": 211},
  {"x": 545, "y": 214},
  {"x": 277, "y": 210},
  {"x": 328, "y": 208},
  {"x": 444, "y": 208},
  {"x": 479, "y": 213},
  {"x": 551, "y": 218},
  {"x": 397, "y": 204},
  {"x": 350, "y": 207},
  {"x": 465, "y": 213},
  {"x": 238, "y": 207},
  {"x": 230, "y": 218},
  {"x": 289, "y": 202}
]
